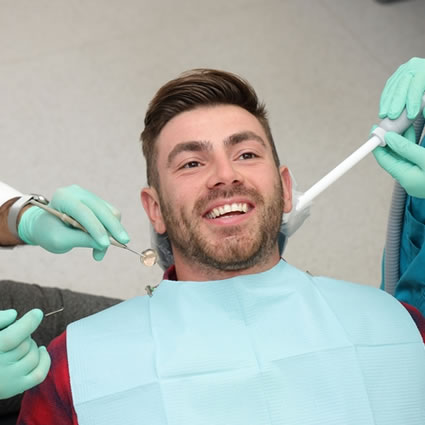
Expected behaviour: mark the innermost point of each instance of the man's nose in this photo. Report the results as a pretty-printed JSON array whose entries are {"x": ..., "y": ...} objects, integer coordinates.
[{"x": 224, "y": 172}]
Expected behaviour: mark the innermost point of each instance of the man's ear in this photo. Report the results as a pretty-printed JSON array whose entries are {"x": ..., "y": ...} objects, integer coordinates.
[
  {"x": 150, "y": 202},
  {"x": 286, "y": 179}
]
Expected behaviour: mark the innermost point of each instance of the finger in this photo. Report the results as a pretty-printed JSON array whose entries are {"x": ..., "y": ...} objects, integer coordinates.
[
  {"x": 94, "y": 202},
  {"x": 7, "y": 317},
  {"x": 98, "y": 254},
  {"x": 384, "y": 157},
  {"x": 389, "y": 90},
  {"x": 415, "y": 94},
  {"x": 92, "y": 212},
  {"x": 107, "y": 217},
  {"x": 398, "y": 102},
  {"x": 406, "y": 149},
  {"x": 16, "y": 333},
  {"x": 391, "y": 162},
  {"x": 66, "y": 238},
  {"x": 38, "y": 374},
  {"x": 17, "y": 353},
  {"x": 28, "y": 363},
  {"x": 115, "y": 211},
  {"x": 87, "y": 218},
  {"x": 387, "y": 95},
  {"x": 76, "y": 193}
]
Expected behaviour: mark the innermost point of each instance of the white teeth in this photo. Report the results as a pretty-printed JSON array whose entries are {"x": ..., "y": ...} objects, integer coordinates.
[{"x": 227, "y": 208}]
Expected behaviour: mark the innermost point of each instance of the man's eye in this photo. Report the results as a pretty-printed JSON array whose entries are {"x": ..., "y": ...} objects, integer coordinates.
[
  {"x": 248, "y": 155},
  {"x": 192, "y": 164}
]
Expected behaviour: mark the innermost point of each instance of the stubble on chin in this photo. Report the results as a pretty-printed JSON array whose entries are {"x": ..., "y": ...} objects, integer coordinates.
[{"x": 231, "y": 248}]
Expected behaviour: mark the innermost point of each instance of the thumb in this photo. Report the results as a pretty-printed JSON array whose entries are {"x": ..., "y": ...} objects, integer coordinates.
[
  {"x": 406, "y": 149},
  {"x": 7, "y": 317},
  {"x": 13, "y": 335},
  {"x": 387, "y": 159},
  {"x": 98, "y": 254}
]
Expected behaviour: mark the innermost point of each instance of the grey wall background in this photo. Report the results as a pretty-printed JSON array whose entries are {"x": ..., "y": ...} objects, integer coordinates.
[{"x": 76, "y": 78}]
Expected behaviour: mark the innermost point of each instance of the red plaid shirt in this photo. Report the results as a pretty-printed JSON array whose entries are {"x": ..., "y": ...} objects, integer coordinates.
[{"x": 51, "y": 402}]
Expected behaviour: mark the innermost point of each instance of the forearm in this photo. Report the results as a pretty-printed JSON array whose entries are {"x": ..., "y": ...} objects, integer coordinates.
[{"x": 6, "y": 237}]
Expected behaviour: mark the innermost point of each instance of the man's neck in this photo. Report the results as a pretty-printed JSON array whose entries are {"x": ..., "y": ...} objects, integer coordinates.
[{"x": 190, "y": 271}]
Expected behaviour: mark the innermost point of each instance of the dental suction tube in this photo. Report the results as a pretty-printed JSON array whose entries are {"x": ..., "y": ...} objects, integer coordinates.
[{"x": 400, "y": 125}]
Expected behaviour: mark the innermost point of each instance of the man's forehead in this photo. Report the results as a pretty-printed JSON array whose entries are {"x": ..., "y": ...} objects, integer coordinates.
[{"x": 212, "y": 124}]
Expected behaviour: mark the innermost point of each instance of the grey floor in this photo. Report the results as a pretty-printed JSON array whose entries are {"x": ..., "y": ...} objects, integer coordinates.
[{"x": 76, "y": 77}]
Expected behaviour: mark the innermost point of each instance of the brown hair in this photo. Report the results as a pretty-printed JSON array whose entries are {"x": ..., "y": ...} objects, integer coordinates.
[{"x": 198, "y": 87}]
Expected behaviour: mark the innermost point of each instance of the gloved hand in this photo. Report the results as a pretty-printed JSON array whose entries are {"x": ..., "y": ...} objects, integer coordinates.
[
  {"x": 38, "y": 227},
  {"x": 23, "y": 365},
  {"x": 404, "y": 88},
  {"x": 402, "y": 158}
]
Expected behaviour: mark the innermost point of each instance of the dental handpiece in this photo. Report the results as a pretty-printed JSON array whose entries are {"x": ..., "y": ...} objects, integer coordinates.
[
  {"x": 400, "y": 125},
  {"x": 148, "y": 257}
]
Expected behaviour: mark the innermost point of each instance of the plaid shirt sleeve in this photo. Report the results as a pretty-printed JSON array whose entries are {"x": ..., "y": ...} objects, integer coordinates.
[
  {"x": 418, "y": 318},
  {"x": 51, "y": 402}
]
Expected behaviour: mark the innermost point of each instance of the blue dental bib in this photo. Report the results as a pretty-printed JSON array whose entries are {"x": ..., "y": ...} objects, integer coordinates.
[{"x": 274, "y": 348}]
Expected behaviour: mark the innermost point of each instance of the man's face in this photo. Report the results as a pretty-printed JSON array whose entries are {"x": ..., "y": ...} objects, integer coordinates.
[{"x": 221, "y": 195}]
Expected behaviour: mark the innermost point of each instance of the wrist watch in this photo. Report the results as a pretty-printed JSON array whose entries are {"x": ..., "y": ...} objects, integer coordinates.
[{"x": 16, "y": 208}]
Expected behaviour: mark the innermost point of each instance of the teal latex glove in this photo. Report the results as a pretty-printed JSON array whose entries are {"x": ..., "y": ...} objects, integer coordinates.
[
  {"x": 23, "y": 365},
  {"x": 38, "y": 227},
  {"x": 404, "y": 89},
  {"x": 404, "y": 160}
]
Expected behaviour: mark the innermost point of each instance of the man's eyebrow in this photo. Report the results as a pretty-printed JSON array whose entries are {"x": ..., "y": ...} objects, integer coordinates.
[
  {"x": 206, "y": 146},
  {"x": 190, "y": 146},
  {"x": 236, "y": 138}
]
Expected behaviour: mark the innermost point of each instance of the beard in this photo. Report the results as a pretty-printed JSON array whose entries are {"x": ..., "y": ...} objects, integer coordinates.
[{"x": 238, "y": 247}]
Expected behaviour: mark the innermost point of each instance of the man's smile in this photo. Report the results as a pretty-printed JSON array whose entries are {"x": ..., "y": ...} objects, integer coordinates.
[
  {"x": 229, "y": 212},
  {"x": 228, "y": 209}
]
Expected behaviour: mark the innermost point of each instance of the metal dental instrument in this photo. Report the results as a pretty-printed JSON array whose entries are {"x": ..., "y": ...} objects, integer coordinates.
[
  {"x": 148, "y": 257},
  {"x": 54, "y": 312},
  {"x": 51, "y": 313}
]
